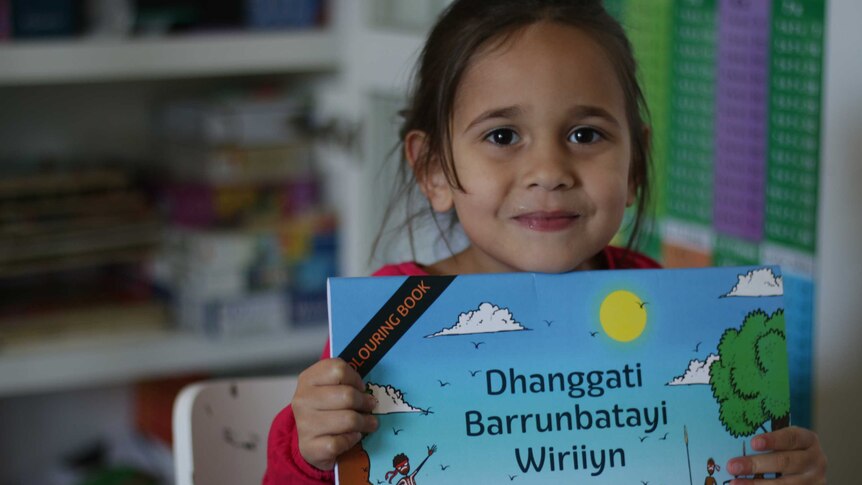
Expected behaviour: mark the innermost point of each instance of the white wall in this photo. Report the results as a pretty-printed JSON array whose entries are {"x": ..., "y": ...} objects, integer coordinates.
[{"x": 838, "y": 330}]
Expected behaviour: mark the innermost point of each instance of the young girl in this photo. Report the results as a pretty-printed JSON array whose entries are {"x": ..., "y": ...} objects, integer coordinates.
[{"x": 525, "y": 125}]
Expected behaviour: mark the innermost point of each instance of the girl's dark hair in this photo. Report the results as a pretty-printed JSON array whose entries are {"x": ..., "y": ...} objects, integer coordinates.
[{"x": 462, "y": 30}]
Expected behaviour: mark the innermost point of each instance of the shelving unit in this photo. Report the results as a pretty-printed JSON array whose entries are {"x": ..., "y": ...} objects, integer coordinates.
[
  {"x": 155, "y": 348},
  {"x": 78, "y": 99},
  {"x": 91, "y": 60},
  {"x": 115, "y": 359}
]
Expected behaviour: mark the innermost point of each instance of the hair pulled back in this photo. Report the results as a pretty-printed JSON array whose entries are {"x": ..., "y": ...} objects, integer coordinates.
[{"x": 465, "y": 28}]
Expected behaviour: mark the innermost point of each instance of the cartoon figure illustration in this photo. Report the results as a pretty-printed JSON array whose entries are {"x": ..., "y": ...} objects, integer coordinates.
[
  {"x": 711, "y": 468},
  {"x": 402, "y": 466}
]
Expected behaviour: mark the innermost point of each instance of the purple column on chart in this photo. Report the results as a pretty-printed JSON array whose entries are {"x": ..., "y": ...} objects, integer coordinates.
[{"x": 741, "y": 118}]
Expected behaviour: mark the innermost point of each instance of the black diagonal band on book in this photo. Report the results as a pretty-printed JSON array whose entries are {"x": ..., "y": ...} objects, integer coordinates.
[{"x": 392, "y": 321}]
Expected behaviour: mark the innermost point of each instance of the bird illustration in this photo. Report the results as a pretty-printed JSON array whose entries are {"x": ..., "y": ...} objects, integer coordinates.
[
  {"x": 512, "y": 477},
  {"x": 396, "y": 431},
  {"x": 642, "y": 304},
  {"x": 549, "y": 322},
  {"x": 476, "y": 344},
  {"x": 645, "y": 483},
  {"x": 474, "y": 372},
  {"x": 697, "y": 347},
  {"x": 442, "y": 384},
  {"x": 444, "y": 467},
  {"x": 379, "y": 482},
  {"x": 642, "y": 439},
  {"x": 593, "y": 334},
  {"x": 663, "y": 437}
]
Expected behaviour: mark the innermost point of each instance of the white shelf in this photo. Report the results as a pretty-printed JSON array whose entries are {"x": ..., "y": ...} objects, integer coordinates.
[
  {"x": 56, "y": 366},
  {"x": 86, "y": 60}
]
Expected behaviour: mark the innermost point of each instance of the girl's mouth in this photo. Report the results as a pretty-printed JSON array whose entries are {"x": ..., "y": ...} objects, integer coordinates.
[{"x": 547, "y": 221}]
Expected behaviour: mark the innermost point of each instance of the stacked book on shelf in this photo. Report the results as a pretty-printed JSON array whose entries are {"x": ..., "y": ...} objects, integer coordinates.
[
  {"x": 29, "y": 19},
  {"x": 71, "y": 241},
  {"x": 251, "y": 241}
]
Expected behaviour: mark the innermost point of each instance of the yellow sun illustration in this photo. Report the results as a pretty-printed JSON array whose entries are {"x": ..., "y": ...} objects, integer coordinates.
[{"x": 623, "y": 316}]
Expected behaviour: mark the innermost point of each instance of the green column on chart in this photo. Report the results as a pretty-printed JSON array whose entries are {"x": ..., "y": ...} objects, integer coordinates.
[
  {"x": 794, "y": 123},
  {"x": 648, "y": 25}
]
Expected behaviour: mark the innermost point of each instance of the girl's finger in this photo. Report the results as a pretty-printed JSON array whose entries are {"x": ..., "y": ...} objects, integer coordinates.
[
  {"x": 784, "y": 462},
  {"x": 342, "y": 422},
  {"x": 784, "y": 480},
  {"x": 332, "y": 372},
  {"x": 342, "y": 397},
  {"x": 792, "y": 438},
  {"x": 346, "y": 375},
  {"x": 323, "y": 450}
]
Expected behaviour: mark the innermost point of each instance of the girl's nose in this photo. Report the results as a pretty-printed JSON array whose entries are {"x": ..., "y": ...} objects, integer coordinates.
[{"x": 549, "y": 167}]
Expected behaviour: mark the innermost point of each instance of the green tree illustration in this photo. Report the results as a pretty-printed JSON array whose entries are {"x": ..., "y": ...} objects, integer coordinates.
[{"x": 749, "y": 380}]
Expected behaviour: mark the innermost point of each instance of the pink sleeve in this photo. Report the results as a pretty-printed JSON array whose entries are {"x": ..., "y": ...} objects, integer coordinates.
[{"x": 284, "y": 464}]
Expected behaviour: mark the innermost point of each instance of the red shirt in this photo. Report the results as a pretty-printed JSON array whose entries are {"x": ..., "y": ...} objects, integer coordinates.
[{"x": 285, "y": 465}]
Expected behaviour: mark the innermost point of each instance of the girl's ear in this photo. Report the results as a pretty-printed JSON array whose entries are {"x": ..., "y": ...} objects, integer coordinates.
[
  {"x": 430, "y": 177},
  {"x": 632, "y": 194},
  {"x": 634, "y": 183}
]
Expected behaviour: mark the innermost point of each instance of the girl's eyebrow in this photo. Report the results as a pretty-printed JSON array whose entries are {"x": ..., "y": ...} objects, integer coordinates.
[
  {"x": 505, "y": 112},
  {"x": 594, "y": 111},
  {"x": 582, "y": 111}
]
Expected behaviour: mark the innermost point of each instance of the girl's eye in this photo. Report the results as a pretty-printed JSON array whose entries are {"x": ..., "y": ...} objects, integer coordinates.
[
  {"x": 585, "y": 135},
  {"x": 503, "y": 136}
]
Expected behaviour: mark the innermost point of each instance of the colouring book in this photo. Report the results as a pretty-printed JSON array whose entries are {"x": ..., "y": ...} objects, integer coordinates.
[{"x": 604, "y": 377}]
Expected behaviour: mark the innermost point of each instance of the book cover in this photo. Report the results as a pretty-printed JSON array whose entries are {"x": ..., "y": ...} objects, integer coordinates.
[{"x": 606, "y": 377}]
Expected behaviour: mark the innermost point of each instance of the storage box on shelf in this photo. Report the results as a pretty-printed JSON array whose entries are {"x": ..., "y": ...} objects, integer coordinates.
[
  {"x": 251, "y": 244},
  {"x": 5, "y": 19},
  {"x": 29, "y": 19}
]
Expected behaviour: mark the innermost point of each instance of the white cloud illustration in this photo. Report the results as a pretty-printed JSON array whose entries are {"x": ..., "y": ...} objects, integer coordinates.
[
  {"x": 759, "y": 282},
  {"x": 390, "y": 400},
  {"x": 697, "y": 372},
  {"x": 488, "y": 318}
]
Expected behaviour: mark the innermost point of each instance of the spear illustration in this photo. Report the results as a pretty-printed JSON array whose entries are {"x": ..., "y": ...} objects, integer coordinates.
[
  {"x": 743, "y": 454},
  {"x": 687, "y": 454}
]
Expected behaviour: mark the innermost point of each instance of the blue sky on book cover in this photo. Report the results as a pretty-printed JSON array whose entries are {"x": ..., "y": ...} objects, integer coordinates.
[{"x": 606, "y": 377}]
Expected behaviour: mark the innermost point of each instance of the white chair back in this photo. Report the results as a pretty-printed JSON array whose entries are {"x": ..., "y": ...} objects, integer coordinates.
[{"x": 220, "y": 428}]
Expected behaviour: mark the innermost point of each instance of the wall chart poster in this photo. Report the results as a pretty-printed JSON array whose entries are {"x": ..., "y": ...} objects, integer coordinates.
[
  {"x": 605, "y": 377},
  {"x": 734, "y": 91}
]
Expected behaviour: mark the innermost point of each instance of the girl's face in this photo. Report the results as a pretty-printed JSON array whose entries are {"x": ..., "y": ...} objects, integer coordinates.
[{"x": 542, "y": 148}]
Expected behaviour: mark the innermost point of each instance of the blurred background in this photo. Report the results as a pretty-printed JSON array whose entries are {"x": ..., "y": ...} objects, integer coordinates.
[{"x": 179, "y": 177}]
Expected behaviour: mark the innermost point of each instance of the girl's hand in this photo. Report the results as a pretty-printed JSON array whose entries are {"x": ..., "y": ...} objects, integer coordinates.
[
  {"x": 793, "y": 452},
  {"x": 332, "y": 411}
]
